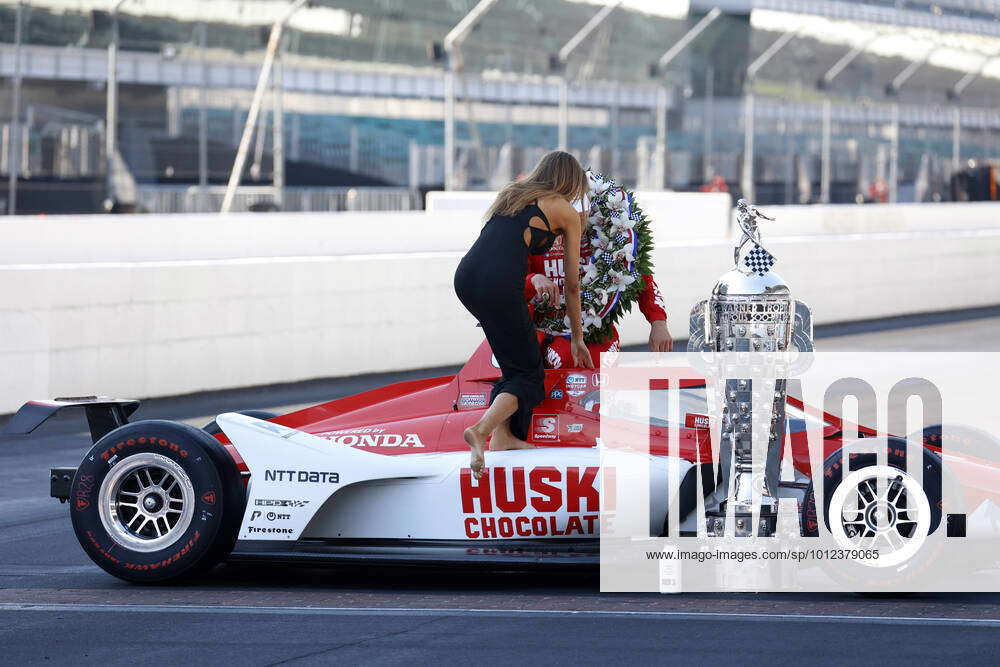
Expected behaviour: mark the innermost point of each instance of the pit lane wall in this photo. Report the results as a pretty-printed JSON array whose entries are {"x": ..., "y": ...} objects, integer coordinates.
[{"x": 142, "y": 306}]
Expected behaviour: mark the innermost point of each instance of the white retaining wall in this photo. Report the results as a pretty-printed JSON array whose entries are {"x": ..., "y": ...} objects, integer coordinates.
[
  {"x": 674, "y": 215},
  {"x": 159, "y": 305}
]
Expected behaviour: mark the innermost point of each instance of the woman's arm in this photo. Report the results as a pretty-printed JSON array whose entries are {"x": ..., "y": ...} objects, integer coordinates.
[{"x": 572, "y": 228}]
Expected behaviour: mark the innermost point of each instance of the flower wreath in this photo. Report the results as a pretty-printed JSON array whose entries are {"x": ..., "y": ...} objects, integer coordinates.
[{"x": 611, "y": 280}]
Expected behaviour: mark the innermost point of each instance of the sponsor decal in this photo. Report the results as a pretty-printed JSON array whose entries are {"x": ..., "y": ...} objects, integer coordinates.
[
  {"x": 535, "y": 502},
  {"x": 574, "y": 428},
  {"x": 471, "y": 401},
  {"x": 279, "y": 502},
  {"x": 81, "y": 496},
  {"x": 554, "y": 268},
  {"x": 544, "y": 427},
  {"x": 302, "y": 476},
  {"x": 557, "y": 394},
  {"x": 257, "y": 530},
  {"x": 576, "y": 392},
  {"x": 695, "y": 420},
  {"x": 209, "y": 497},
  {"x": 113, "y": 450},
  {"x": 270, "y": 516},
  {"x": 575, "y": 379},
  {"x": 371, "y": 436},
  {"x": 551, "y": 356}
]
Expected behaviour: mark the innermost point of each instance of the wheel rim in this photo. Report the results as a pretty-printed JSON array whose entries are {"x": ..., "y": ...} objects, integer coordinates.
[
  {"x": 147, "y": 502},
  {"x": 880, "y": 507}
]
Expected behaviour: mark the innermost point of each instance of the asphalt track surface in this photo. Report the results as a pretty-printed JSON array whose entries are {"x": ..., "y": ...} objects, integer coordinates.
[{"x": 56, "y": 607}]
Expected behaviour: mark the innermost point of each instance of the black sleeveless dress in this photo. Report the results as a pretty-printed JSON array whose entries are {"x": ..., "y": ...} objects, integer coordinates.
[{"x": 490, "y": 284}]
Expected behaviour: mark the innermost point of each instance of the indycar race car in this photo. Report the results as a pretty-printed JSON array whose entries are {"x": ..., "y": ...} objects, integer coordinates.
[{"x": 383, "y": 476}]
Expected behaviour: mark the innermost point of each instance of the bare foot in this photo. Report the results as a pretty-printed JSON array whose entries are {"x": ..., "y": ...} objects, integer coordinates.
[
  {"x": 501, "y": 442},
  {"x": 477, "y": 444}
]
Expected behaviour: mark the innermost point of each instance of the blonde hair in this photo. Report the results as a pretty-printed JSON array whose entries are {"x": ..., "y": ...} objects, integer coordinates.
[{"x": 557, "y": 173}]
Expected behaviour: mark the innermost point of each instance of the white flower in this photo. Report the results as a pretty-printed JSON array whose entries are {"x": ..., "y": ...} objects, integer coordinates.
[
  {"x": 625, "y": 254},
  {"x": 590, "y": 319},
  {"x": 616, "y": 199},
  {"x": 589, "y": 274},
  {"x": 602, "y": 296},
  {"x": 620, "y": 280},
  {"x": 597, "y": 184}
]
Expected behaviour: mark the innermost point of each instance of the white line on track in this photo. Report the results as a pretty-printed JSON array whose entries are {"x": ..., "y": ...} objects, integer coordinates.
[{"x": 428, "y": 611}]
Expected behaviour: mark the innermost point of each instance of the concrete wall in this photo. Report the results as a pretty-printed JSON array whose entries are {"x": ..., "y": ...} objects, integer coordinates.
[
  {"x": 160, "y": 305},
  {"x": 674, "y": 215},
  {"x": 102, "y": 238},
  {"x": 865, "y": 219}
]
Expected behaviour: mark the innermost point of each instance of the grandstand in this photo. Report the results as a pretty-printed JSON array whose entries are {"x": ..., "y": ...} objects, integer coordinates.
[{"x": 362, "y": 96}]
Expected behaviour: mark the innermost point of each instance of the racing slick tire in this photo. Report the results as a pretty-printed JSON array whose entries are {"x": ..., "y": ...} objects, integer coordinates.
[
  {"x": 961, "y": 440},
  {"x": 156, "y": 501},
  {"x": 906, "y": 561},
  {"x": 212, "y": 428}
]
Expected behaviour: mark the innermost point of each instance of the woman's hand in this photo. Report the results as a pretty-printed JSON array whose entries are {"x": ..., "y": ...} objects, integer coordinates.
[
  {"x": 545, "y": 289},
  {"x": 581, "y": 354}
]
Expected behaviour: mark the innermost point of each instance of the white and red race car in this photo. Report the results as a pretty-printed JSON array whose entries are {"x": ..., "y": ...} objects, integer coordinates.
[{"x": 379, "y": 476}]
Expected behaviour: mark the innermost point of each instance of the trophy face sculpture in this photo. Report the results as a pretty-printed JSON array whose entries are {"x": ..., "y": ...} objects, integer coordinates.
[{"x": 750, "y": 311}]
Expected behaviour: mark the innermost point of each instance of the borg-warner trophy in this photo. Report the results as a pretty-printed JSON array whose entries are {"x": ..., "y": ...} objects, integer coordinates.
[{"x": 750, "y": 311}]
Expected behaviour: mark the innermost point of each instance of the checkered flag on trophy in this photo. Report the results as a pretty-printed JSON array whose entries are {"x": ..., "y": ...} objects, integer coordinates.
[{"x": 759, "y": 260}]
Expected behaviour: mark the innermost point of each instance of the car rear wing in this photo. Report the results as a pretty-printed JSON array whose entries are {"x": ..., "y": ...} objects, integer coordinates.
[{"x": 104, "y": 414}]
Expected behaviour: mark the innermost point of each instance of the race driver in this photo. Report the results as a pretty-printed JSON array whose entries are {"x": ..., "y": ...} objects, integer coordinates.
[{"x": 546, "y": 275}]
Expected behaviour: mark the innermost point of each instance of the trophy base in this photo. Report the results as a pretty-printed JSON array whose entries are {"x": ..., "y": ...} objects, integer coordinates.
[{"x": 743, "y": 523}]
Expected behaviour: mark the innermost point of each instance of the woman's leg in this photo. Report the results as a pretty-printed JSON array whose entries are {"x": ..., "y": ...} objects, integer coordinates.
[
  {"x": 503, "y": 439},
  {"x": 504, "y": 405}
]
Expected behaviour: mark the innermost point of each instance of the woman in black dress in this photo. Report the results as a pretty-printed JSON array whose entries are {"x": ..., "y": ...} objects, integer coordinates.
[{"x": 526, "y": 217}]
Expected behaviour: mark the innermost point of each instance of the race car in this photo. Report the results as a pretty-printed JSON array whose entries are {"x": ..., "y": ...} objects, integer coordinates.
[{"x": 383, "y": 476}]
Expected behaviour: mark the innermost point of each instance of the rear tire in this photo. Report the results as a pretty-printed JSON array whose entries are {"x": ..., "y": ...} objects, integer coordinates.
[
  {"x": 900, "y": 560},
  {"x": 156, "y": 501}
]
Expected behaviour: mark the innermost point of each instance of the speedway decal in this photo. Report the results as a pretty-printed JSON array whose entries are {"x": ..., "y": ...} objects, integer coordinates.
[
  {"x": 542, "y": 502},
  {"x": 544, "y": 427}
]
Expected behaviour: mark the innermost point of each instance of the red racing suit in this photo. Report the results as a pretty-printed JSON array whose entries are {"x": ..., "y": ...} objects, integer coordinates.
[{"x": 550, "y": 265}]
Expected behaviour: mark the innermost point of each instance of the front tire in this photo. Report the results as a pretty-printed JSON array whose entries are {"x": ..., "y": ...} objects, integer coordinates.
[{"x": 156, "y": 501}]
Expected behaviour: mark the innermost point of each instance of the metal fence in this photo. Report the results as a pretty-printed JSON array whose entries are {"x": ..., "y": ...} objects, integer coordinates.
[{"x": 194, "y": 199}]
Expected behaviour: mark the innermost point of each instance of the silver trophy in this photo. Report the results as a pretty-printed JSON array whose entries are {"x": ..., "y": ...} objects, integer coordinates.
[{"x": 751, "y": 311}]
